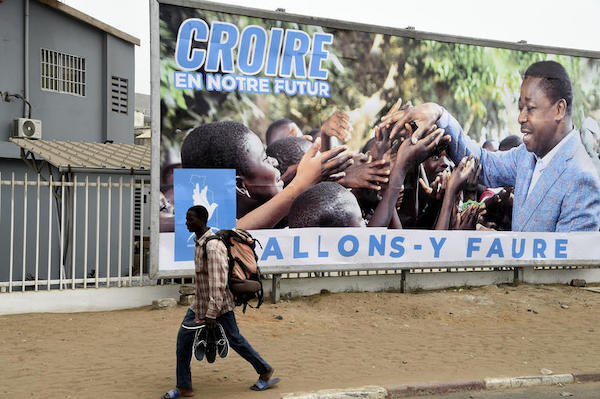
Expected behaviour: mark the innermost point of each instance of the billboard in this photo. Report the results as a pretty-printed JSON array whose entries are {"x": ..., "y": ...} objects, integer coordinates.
[{"x": 352, "y": 146}]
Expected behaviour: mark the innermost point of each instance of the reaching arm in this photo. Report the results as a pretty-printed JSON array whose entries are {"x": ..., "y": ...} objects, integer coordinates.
[
  {"x": 498, "y": 168},
  {"x": 312, "y": 168},
  {"x": 408, "y": 156}
]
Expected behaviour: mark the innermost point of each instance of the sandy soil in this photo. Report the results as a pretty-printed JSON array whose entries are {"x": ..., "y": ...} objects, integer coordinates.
[{"x": 323, "y": 341}]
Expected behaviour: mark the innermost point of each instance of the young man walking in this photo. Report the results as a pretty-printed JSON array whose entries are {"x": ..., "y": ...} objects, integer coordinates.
[{"x": 213, "y": 304}]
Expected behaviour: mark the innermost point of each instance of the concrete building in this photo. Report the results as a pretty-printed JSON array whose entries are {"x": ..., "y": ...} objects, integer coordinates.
[
  {"x": 75, "y": 71},
  {"x": 68, "y": 212}
]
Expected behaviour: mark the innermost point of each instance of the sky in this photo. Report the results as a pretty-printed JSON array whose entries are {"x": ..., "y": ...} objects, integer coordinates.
[{"x": 573, "y": 24}]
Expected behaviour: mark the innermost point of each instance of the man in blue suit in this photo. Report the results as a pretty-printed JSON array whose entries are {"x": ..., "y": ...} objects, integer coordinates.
[{"x": 556, "y": 185}]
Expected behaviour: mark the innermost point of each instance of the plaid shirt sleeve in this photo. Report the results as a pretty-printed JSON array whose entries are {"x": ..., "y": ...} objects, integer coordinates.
[{"x": 217, "y": 276}]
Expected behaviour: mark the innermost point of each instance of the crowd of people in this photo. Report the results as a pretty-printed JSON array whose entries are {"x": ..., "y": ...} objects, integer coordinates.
[{"x": 418, "y": 170}]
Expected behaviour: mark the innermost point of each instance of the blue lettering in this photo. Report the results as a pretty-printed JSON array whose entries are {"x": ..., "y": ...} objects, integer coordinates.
[
  {"x": 518, "y": 253},
  {"x": 352, "y": 251},
  {"x": 187, "y": 80},
  {"x": 471, "y": 247},
  {"x": 223, "y": 38},
  {"x": 437, "y": 246},
  {"x": 228, "y": 83},
  {"x": 295, "y": 48},
  {"x": 323, "y": 89},
  {"x": 264, "y": 85},
  {"x": 273, "y": 51},
  {"x": 253, "y": 38},
  {"x": 297, "y": 252},
  {"x": 396, "y": 244},
  {"x": 213, "y": 81},
  {"x": 539, "y": 246},
  {"x": 374, "y": 244},
  {"x": 190, "y": 30},
  {"x": 561, "y": 248},
  {"x": 271, "y": 249},
  {"x": 319, "y": 55},
  {"x": 495, "y": 249},
  {"x": 321, "y": 254}
]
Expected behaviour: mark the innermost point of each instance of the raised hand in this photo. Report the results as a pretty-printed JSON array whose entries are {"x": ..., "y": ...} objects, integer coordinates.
[
  {"x": 468, "y": 218},
  {"x": 366, "y": 173},
  {"x": 437, "y": 188},
  {"x": 315, "y": 167},
  {"x": 337, "y": 125},
  {"x": 411, "y": 154},
  {"x": 467, "y": 170}
]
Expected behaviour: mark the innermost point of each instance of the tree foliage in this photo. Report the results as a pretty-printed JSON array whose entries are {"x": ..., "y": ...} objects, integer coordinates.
[{"x": 367, "y": 73}]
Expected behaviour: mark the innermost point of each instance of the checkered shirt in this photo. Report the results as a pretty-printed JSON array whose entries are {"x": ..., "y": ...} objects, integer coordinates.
[{"x": 213, "y": 298}]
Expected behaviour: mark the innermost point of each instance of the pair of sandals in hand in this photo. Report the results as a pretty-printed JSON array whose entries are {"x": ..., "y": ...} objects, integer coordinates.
[{"x": 208, "y": 342}]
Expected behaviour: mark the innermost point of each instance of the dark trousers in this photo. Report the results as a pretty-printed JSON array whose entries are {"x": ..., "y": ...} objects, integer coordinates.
[{"x": 185, "y": 340}]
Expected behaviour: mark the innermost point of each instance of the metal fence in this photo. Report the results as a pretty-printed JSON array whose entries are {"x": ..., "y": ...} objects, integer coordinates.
[{"x": 80, "y": 232}]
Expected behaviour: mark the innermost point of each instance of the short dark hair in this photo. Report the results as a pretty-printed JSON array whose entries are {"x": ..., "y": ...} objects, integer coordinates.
[
  {"x": 313, "y": 133},
  {"x": 491, "y": 142},
  {"x": 200, "y": 211},
  {"x": 368, "y": 145},
  {"x": 555, "y": 81},
  {"x": 274, "y": 126},
  {"x": 288, "y": 151},
  {"x": 217, "y": 145},
  {"x": 326, "y": 204},
  {"x": 509, "y": 142}
]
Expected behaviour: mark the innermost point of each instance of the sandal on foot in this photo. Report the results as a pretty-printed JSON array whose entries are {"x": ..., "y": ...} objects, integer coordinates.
[
  {"x": 261, "y": 385},
  {"x": 176, "y": 393}
]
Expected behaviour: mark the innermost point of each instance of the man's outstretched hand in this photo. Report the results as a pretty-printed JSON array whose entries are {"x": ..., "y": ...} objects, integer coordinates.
[{"x": 424, "y": 116}]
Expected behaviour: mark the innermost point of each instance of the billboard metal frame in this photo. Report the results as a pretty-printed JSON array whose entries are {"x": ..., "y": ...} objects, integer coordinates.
[{"x": 334, "y": 24}]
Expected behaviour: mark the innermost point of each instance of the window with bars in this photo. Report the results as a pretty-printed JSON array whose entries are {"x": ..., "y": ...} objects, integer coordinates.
[
  {"x": 119, "y": 94},
  {"x": 63, "y": 73}
]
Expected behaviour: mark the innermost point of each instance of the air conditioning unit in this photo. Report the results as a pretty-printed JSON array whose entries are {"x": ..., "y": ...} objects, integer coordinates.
[{"x": 27, "y": 128}]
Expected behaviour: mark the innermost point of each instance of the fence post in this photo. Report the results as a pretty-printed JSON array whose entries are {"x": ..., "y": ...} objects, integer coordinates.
[
  {"x": 276, "y": 287},
  {"x": 517, "y": 275}
]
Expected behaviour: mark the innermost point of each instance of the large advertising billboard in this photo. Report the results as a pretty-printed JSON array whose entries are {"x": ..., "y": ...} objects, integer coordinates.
[{"x": 351, "y": 146}]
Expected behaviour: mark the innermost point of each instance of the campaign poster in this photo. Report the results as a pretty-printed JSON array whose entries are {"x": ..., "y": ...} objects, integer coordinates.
[{"x": 356, "y": 147}]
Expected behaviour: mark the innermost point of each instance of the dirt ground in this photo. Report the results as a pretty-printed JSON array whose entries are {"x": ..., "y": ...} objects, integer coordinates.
[{"x": 323, "y": 341}]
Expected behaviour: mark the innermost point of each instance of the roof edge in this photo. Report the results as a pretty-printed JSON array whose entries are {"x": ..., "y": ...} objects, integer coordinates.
[{"x": 57, "y": 5}]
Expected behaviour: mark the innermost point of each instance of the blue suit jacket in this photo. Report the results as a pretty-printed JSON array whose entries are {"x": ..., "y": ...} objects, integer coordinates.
[{"x": 565, "y": 198}]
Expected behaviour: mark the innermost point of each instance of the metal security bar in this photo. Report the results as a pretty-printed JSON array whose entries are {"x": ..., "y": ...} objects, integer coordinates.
[
  {"x": 70, "y": 234},
  {"x": 62, "y": 73}
]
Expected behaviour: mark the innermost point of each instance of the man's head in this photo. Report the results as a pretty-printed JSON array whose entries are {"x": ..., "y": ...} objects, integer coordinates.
[
  {"x": 509, "y": 142},
  {"x": 545, "y": 106},
  {"x": 435, "y": 165},
  {"x": 196, "y": 219},
  {"x": 288, "y": 151},
  {"x": 231, "y": 145},
  {"x": 490, "y": 145},
  {"x": 327, "y": 204},
  {"x": 281, "y": 129}
]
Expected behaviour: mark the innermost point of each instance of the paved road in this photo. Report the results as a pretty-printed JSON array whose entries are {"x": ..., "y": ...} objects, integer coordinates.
[{"x": 590, "y": 390}]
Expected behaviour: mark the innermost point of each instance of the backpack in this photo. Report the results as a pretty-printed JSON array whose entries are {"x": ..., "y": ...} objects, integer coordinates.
[{"x": 244, "y": 274}]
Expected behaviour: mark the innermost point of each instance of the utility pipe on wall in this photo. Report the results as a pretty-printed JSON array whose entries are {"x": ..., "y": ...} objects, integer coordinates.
[{"x": 26, "y": 57}]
